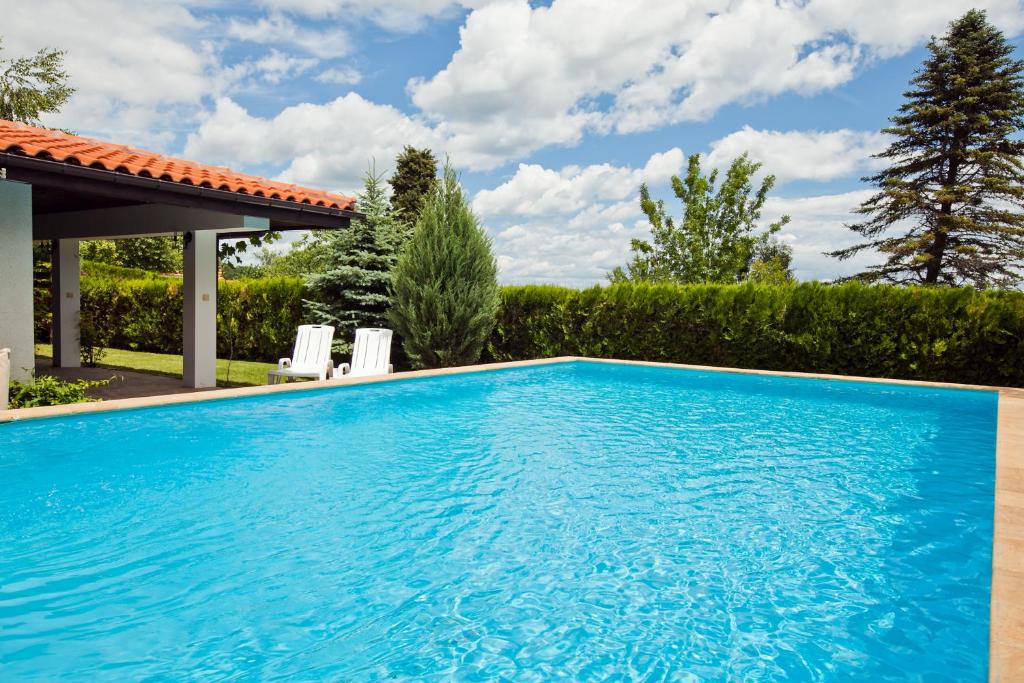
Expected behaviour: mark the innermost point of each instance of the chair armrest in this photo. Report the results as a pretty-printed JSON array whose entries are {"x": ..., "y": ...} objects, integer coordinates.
[
  {"x": 284, "y": 363},
  {"x": 342, "y": 369}
]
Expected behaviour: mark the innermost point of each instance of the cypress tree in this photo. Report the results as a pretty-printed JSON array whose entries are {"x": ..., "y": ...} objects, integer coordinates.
[
  {"x": 414, "y": 180},
  {"x": 956, "y": 177},
  {"x": 351, "y": 290},
  {"x": 444, "y": 286}
]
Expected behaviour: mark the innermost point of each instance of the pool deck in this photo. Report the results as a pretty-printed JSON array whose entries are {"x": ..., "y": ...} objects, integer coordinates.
[{"x": 1006, "y": 635}]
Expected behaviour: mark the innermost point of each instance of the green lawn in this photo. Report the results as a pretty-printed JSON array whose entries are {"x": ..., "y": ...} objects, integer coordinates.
[{"x": 243, "y": 372}]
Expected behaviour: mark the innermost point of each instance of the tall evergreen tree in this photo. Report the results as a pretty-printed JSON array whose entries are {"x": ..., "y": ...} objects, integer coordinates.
[
  {"x": 956, "y": 180},
  {"x": 32, "y": 86},
  {"x": 445, "y": 288},
  {"x": 414, "y": 180},
  {"x": 351, "y": 291},
  {"x": 717, "y": 238}
]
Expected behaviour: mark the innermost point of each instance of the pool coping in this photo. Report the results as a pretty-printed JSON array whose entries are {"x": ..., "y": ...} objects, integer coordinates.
[{"x": 1006, "y": 631}]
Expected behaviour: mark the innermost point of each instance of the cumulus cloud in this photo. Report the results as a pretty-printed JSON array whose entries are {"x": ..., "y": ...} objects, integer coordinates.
[
  {"x": 572, "y": 226},
  {"x": 569, "y": 226},
  {"x": 278, "y": 29},
  {"x": 802, "y": 154},
  {"x": 326, "y": 145},
  {"x": 526, "y": 77},
  {"x": 537, "y": 191},
  {"x": 340, "y": 75},
  {"x": 817, "y": 226},
  {"x": 393, "y": 15},
  {"x": 132, "y": 74}
]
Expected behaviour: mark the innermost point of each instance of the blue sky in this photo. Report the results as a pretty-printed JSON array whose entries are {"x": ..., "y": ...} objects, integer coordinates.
[{"x": 554, "y": 112}]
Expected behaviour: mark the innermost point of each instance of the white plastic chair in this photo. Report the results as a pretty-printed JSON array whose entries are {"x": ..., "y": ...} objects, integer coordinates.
[
  {"x": 371, "y": 354},
  {"x": 311, "y": 357}
]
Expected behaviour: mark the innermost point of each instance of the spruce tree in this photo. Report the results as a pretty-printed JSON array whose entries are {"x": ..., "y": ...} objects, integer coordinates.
[
  {"x": 351, "y": 291},
  {"x": 956, "y": 180},
  {"x": 444, "y": 287},
  {"x": 414, "y": 180}
]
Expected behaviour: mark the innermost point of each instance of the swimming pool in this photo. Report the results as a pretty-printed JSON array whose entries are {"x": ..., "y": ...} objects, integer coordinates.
[{"x": 579, "y": 519}]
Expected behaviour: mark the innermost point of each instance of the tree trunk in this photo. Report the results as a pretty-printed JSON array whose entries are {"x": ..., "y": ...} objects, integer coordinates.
[{"x": 938, "y": 248}]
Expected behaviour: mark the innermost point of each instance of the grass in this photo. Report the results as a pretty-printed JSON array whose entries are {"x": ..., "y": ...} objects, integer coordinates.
[{"x": 243, "y": 372}]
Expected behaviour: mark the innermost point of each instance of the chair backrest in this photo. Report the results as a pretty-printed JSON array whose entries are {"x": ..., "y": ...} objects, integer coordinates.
[
  {"x": 372, "y": 352},
  {"x": 312, "y": 347}
]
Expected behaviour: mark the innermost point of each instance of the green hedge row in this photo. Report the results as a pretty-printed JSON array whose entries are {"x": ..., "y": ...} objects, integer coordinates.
[
  {"x": 256, "y": 319},
  {"x": 952, "y": 335}
]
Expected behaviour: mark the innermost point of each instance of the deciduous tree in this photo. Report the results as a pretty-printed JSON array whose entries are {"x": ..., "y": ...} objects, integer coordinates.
[
  {"x": 717, "y": 238},
  {"x": 33, "y": 86}
]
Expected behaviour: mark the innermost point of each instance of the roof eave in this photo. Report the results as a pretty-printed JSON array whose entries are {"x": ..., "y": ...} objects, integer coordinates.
[{"x": 283, "y": 214}]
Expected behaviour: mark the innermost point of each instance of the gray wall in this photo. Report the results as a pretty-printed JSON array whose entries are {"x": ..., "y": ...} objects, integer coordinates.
[{"x": 16, "y": 276}]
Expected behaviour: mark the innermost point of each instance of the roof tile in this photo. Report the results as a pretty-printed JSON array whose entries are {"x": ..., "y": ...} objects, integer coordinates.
[{"x": 19, "y": 138}]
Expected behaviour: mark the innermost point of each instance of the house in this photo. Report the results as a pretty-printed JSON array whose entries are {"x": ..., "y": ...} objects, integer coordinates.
[{"x": 64, "y": 188}]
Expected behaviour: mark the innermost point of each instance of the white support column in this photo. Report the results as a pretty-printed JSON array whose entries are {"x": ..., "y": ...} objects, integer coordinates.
[
  {"x": 200, "y": 314},
  {"x": 66, "y": 306},
  {"x": 16, "y": 323}
]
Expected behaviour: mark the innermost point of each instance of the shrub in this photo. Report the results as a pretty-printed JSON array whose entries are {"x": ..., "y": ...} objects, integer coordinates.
[
  {"x": 47, "y": 390},
  {"x": 445, "y": 289},
  {"x": 936, "y": 334}
]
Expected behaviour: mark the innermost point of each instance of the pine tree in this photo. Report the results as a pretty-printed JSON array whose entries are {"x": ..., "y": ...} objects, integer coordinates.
[
  {"x": 956, "y": 177},
  {"x": 716, "y": 239},
  {"x": 414, "y": 180},
  {"x": 444, "y": 287},
  {"x": 351, "y": 291}
]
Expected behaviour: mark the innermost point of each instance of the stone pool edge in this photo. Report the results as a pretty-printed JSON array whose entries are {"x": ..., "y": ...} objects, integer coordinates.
[{"x": 1006, "y": 628}]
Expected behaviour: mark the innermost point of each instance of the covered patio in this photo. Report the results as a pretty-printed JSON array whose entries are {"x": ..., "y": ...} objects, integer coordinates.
[{"x": 63, "y": 189}]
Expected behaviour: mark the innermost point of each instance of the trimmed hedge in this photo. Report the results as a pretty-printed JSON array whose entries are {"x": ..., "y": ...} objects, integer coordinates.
[
  {"x": 257, "y": 317},
  {"x": 938, "y": 334}
]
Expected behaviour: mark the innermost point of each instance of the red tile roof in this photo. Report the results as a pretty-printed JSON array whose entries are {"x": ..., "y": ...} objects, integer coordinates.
[{"x": 43, "y": 143}]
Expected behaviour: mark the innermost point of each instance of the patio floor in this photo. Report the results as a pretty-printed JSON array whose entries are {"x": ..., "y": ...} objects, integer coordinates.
[{"x": 123, "y": 383}]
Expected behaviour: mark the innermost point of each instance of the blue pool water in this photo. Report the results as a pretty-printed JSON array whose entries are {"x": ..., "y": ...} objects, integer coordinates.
[{"x": 581, "y": 520}]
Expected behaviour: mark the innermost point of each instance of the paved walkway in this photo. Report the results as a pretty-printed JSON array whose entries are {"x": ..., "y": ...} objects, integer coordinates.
[{"x": 123, "y": 383}]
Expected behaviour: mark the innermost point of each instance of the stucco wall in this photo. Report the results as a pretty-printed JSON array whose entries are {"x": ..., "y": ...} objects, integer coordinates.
[{"x": 16, "y": 276}]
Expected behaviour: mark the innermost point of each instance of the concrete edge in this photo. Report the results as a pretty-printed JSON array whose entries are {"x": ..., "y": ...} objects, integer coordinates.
[
  {"x": 241, "y": 392},
  {"x": 1006, "y": 621}
]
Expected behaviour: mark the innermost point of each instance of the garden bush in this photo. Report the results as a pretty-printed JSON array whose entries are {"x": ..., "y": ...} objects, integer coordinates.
[
  {"x": 46, "y": 390},
  {"x": 937, "y": 334}
]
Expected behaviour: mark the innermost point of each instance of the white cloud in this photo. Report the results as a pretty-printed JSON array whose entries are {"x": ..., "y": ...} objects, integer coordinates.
[
  {"x": 569, "y": 226},
  {"x": 340, "y": 75},
  {"x": 394, "y": 15},
  {"x": 278, "y": 29},
  {"x": 276, "y": 66},
  {"x": 572, "y": 226},
  {"x": 817, "y": 226},
  {"x": 328, "y": 145},
  {"x": 802, "y": 154},
  {"x": 134, "y": 75},
  {"x": 538, "y": 191},
  {"x": 526, "y": 77}
]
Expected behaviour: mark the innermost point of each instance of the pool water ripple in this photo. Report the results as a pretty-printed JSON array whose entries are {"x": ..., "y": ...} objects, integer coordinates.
[{"x": 582, "y": 520}]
